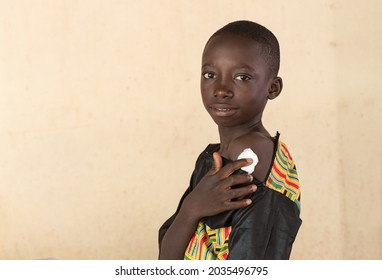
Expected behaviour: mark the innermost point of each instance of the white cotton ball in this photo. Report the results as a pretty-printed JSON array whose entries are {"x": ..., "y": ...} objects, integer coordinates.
[{"x": 248, "y": 153}]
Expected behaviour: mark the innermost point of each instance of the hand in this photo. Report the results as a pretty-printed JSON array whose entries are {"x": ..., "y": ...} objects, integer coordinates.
[{"x": 214, "y": 193}]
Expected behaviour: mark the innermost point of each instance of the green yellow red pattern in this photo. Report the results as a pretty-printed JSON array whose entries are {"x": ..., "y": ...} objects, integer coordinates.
[
  {"x": 283, "y": 177},
  {"x": 208, "y": 244},
  {"x": 212, "y": 244}
]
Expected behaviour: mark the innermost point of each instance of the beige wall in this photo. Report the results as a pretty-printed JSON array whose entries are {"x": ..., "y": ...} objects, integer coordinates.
[{"x": 101, "y": 121}]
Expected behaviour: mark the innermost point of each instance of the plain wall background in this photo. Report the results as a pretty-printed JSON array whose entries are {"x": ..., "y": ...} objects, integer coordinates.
[{"x": 101, "y": 121}]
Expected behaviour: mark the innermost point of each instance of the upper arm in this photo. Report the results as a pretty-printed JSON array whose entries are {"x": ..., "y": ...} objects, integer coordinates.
[{"x": 262, "y": 146}]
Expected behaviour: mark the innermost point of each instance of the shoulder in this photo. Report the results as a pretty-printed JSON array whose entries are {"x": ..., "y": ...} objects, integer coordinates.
[
  {"x": 258, "y": 142},
  {"x": 283, "y": 177},
  {"x": 262, "y": 145},
  {"x": 283, "y": 154},
  {"x": 204, "y": 162},
  {"x": 208, "y": 151}
]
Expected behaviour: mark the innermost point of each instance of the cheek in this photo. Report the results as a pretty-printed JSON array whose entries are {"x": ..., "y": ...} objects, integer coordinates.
[
  {"x": 254, "y": 102},
  {"x": 257, "y": 94},
  {"x": 204, "y": 98},
  {"x": 203, "y": 85},
  {"x": 204, "y": 92}
]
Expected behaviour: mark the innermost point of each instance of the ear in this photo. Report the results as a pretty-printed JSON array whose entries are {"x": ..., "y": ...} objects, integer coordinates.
[{"x": 275, "y": 88}]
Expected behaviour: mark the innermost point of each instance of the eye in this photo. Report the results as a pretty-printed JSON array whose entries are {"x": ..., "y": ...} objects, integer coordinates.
[
  {"x": 208, "y": 75},
  {"x": 242, "y": 77}
]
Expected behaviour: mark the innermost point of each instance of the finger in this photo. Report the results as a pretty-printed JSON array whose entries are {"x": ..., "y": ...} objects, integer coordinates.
[
  {"x": 231, "y": 167},
  {"x": 218, "y": 163},
  {"x": 232, "y": 205},
  {"x": 233, "y": 180},
  {"x": 240, "y": 192}
]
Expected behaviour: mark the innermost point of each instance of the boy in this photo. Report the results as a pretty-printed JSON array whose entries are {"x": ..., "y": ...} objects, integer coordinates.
[{"x": 226, "y": 213}]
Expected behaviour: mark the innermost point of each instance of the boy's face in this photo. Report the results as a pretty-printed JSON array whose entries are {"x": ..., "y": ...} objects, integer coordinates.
[{"x": 235, "y": 80}]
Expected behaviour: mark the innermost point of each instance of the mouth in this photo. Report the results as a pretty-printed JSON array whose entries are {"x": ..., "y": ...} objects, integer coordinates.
[{"x": 222, "y": 110}]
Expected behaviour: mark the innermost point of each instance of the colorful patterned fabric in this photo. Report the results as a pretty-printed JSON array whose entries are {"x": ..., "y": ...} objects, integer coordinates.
[
  {"x": 212, "y": 244},
  {"x": 208, "y": 244},
  {"x": 283, "y": 177}
]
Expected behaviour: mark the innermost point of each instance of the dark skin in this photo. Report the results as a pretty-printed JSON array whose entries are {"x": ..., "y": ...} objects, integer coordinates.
[{"x": 236, "y": 84}]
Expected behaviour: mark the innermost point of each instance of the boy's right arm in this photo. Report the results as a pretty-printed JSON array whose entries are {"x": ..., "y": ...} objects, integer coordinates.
[{"x": 212, "y": 195}]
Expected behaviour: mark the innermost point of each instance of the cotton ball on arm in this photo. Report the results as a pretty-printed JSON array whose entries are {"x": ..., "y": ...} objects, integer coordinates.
[{"x": 248, "y": 153}]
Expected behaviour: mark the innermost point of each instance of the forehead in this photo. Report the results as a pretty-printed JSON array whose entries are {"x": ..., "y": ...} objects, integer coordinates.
[{"x": 233, "y": 48}]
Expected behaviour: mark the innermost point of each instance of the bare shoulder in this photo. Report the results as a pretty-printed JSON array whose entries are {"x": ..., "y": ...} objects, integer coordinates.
[{"x": 262, "y": 145}]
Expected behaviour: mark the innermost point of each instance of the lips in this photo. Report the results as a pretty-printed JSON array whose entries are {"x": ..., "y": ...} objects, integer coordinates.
[{"x": 223, "y": 110}]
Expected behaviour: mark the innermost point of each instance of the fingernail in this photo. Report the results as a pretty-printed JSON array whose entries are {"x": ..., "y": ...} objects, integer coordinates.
[
  {"x": 250, "y": 178},
  {"x": 254, "y": 188}
]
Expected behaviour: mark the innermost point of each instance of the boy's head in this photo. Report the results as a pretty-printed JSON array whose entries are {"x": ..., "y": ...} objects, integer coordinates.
[
  {"x": 270, "y": 49},
  {"x": 240, "y": 63}
]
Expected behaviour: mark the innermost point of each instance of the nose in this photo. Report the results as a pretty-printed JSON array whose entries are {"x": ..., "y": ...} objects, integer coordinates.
[{"x": 223, "y": 90}]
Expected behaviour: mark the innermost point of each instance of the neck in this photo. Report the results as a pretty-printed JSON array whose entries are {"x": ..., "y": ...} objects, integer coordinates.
[{"x": 229, "y": 134}]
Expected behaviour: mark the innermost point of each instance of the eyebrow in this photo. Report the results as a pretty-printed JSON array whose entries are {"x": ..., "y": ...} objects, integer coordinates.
[
  {"x": 207, "y": 65},
  {"x": 241, "y": 66},
  {"x": 246, "y": 67}
]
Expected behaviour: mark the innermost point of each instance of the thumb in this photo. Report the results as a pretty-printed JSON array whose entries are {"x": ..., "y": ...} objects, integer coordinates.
[{"x": 218, "y": 163}]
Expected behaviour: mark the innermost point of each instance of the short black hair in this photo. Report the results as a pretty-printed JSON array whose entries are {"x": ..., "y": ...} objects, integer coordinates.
[{"x": 270, "y": 48}]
